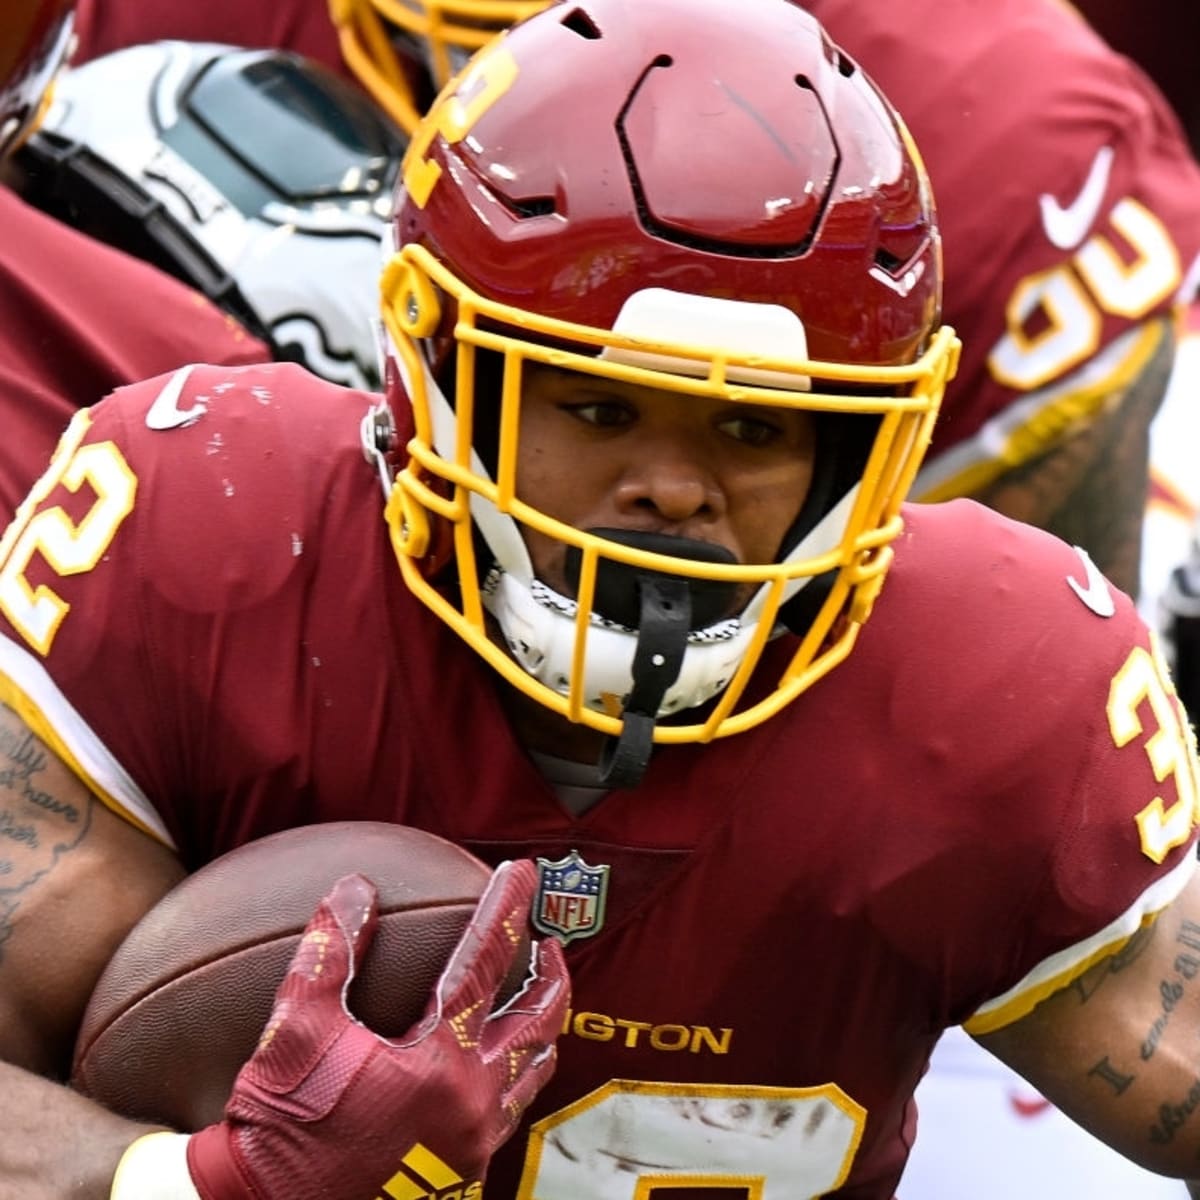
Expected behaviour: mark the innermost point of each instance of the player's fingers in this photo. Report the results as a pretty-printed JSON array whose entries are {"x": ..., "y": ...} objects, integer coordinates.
[
  {"x": 519, "y": 1038},
  {"x": 312, "y": 994},
  {"x": 547, "y": 990},
  {"x": 486, "y": 951},
  {"x": 529, "y": 1075}
]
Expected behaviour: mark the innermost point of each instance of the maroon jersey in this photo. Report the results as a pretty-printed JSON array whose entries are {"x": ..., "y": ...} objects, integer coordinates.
[
  {"x": 1068, "y": 200},
  {"x": 200, "y": 609},
  {"x": 300, "y": 25},
  {"x": 79, "y": 319}
]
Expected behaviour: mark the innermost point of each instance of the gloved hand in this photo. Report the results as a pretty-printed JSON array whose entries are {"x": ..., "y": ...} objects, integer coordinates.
[{"x": 327, "y": 1108}]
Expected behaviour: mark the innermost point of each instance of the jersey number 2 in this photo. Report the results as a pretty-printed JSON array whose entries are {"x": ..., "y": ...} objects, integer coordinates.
[{"x": 67, "y": 546}]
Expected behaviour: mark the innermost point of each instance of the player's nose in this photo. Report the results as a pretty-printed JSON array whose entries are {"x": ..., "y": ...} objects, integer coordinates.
[{"x": 671, "y": 482}]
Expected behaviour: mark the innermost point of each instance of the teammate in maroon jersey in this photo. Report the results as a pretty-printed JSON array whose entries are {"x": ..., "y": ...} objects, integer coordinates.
[
  {"x": 77, "y": 318},
  {"x": 1070, "y": 207},
  {"x": 808, "y": 774}
]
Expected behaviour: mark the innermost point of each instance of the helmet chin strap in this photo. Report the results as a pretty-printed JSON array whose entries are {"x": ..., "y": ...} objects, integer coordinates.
[{"x": 663, "y": 609}]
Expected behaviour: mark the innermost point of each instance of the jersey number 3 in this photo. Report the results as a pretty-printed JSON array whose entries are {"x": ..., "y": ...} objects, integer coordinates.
[{"x": 1144, "y": 680}]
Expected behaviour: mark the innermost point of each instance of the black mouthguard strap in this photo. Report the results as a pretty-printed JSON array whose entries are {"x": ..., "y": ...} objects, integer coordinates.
[
  {"x": 663, "y": 609},
  {"x": 664, "y": 620}
]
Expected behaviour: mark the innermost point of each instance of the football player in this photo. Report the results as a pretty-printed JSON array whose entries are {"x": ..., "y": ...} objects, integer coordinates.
[
  {"x": 618, "y": 577},
  {"x": 76, "y": 317},
  {"x": 1070, "y": 210},
  {"x": 1066, "y": 360}
]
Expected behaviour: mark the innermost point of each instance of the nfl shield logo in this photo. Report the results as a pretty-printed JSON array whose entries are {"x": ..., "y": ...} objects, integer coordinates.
[{"x": 570, "y": 897}]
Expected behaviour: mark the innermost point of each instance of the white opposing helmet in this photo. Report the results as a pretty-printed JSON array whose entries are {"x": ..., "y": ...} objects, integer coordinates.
[{"x": 257, "y": 176}]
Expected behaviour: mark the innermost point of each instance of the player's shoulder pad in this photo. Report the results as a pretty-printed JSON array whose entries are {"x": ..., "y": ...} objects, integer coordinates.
[
  {"x": 989, "y": 582},
  {"x": 181, "y": 398},
  {"x": 229, "y": 410}
]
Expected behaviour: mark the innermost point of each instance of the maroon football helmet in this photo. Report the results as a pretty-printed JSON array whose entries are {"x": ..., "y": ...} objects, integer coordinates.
[
  {"x": 694, "y": 195},
  {"x": 35, "y": 36}
]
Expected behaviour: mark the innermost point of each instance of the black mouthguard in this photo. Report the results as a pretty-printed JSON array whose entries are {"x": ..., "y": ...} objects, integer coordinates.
[
  {"x": 663, "y": 609},
  {"x": 618, "y": 584}
]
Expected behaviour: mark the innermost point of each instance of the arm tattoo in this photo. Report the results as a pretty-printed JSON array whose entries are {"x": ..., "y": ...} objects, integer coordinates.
[
  {"x": 1091, "y": 489},
  {"x": 1174, "y": 1115},
  {"x": 1090, "y": 982},
  {"x": 37, "y": 826}
]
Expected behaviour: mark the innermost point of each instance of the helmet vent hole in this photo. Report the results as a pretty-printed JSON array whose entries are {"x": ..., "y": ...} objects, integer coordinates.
[
  {"x": 803, "y": 81},
  {"x": 579, "y": 22},
  {"x": 885, "y": 260},
  {"x": 541, "y": 206},
  {"x": 845, "y": 65}
]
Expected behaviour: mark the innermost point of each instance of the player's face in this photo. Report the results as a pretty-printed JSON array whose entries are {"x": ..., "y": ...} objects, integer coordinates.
[{"x": 598, "y": 453}]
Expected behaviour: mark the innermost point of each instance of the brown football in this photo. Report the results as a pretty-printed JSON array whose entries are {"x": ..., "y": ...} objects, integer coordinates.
[{"x": 185, "y": 997}]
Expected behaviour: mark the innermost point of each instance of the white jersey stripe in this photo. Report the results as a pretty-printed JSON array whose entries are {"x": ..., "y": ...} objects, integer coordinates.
[
  {"x": 1059, "y": 969},
  {"x": 26, "y": 687}
]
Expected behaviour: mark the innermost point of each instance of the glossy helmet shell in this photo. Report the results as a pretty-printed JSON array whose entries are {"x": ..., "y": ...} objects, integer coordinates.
[
  {"x": 35, "y": 36},
  {"x": 612, "y": 163},
  {"x": 612, "y": 158}
]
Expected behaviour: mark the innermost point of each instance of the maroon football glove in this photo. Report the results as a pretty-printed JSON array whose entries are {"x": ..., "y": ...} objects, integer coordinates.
[{"x": 327, "y": 1109}]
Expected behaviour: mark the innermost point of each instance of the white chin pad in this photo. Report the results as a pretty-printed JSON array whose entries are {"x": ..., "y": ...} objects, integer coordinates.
[{"x": 539, "y": 627}]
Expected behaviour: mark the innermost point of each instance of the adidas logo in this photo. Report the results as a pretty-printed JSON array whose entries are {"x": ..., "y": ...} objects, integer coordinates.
[{"x": 424, "y": 1176}]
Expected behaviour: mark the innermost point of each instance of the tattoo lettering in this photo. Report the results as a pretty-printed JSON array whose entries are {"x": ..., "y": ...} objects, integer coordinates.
[
  {"x": 1172, "y": 1117},
  {"x": 1090, "y": 981},
  {"x": 1171, "y": 991},
  {"x": 1114, "y": 1078},
  {"x": 37, "y": 826},
  {"x": 15, "y": 831},
  {"x": 25, "y": 760},
  {"x": 1189, "y": 935}
]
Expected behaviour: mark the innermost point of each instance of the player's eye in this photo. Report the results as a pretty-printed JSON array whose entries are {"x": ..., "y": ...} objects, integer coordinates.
[
  {"x": 604, "y": 414},
  {"x": 751, "y": 430}
]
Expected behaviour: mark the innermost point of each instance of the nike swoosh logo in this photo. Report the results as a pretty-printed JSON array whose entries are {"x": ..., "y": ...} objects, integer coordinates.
[
  {"x": 1095, "y": 593},
  {"x": 165, "y": 412},
  {"x": 1066, "y": 225}
]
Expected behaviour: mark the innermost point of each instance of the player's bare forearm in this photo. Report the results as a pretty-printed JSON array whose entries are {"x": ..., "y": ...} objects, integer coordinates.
[
  {"x": 1117, "y": 1050},
  {"x": 1091, "y": 489},
  {"x": 54, "y": 1144},
  {"x": 74, "y": 877}
]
